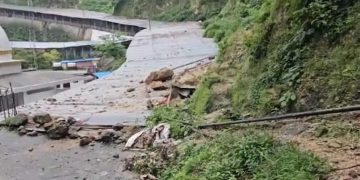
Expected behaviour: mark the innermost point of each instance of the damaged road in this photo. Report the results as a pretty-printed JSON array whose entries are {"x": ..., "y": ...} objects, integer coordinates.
[{"x": 38, "y": 158}]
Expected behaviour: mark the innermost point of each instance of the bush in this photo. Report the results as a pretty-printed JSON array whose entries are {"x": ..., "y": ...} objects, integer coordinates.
[{"x": 249, "y": 156}]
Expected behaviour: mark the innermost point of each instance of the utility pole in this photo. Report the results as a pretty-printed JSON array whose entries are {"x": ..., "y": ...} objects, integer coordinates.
[
  {"x": 149, "y": 13},
  {"x": 32, "y": 36}
]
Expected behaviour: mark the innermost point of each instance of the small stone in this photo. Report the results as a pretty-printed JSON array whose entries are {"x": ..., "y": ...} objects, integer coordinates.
[
  {"x": 118, "y": 127},
  {"x": 31, "y": 149},
  {"x": 51, "y": 100},
  {"x": 71, "y": 120},
  {"x": 85, "y": 141},
  {"x": 130, "y": 90},
  {"x": 354, "y": 174},
  {"x": 32, "y": 133},
  {"x": 116, "y": 156},
  {"x": 106, "y": 137},
  {"x": 22, "y": 131}
]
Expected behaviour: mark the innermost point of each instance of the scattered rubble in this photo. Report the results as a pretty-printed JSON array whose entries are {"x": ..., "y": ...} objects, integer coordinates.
[
  {"x": 180, "y": 86},
  {"x": 155, "y": 137}
]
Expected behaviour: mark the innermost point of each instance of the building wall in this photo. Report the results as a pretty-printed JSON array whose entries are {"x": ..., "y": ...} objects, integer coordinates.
[{"x": 10, "y": 68}]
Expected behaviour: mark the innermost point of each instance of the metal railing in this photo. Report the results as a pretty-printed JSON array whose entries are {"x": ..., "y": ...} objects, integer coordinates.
[{"x": 8, "y": 101}]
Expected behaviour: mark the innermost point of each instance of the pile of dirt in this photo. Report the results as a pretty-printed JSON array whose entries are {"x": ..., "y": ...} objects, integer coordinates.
[{"x": 174, "y": 88}]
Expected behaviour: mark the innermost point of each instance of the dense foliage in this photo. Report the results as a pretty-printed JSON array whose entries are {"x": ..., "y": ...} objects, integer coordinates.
[
  {"x": 287, "y": 55},
  {"x": 112, "y": 50},
  {"x": 40, "y": 60},
  {"x": 92, "y": 5}
]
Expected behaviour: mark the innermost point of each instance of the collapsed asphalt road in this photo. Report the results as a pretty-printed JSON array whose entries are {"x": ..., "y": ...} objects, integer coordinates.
[{"x": 38, "y": 158}]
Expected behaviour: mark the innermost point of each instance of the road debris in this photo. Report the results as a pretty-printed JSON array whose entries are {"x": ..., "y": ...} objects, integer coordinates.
[
  {"x": 154, "y": 137},
  {"x": 163, "y": 74}
]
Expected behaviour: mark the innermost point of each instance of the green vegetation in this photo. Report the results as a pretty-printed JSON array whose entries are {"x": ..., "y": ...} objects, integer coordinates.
[
  {"x": 202, "y": 99},
  {"x": 180, "y": 120},
  {"x": 341, "y": 129},
  {"x": 21, "y": 32},
  {"x": 92, "y": 5},
  {"x": 106, "y": 6},
  {"x": 286, "y": 55},
  {"x": 169, "y": 10},
  {"x": 42, "y": 60},
  {"x": 234, "y": 156},
  {"x": 111, "y": 49}
]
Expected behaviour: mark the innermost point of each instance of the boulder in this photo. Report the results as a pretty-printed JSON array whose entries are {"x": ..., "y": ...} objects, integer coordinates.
[
  {"x": 85, "y": 141},
  {"x": 71, "y": 120},
  {"x": 22, "y": 131},
  {"x": 16, "y": 121},
  {"x": 42, "y": 118},
  {"x": 58, "y": 130},
  {"x": 106, "y": 136},
  {"x": 163, "y": 74},
  {"x": 158, "y": 86}
]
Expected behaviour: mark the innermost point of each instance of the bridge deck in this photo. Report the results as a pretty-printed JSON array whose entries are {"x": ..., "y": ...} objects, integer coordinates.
[
  {"x": 79, "y": 18},
  {"x": 83, "y": 14},
  {"x": 54, "y": 45},
  {"x": 106, "y": 101}
]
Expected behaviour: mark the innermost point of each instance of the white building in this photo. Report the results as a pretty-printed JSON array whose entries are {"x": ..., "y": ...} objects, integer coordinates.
[
  {"x": 7, "y": 64},
  {"x": 33, "y": 85}
]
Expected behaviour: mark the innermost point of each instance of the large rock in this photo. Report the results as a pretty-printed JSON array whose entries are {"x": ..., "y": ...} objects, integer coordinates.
[
  {"x": 161, "y": 75},
  {"x": 18, "y": 120},
  {"x": 42, "y": 118},
  {"x": 58, "y": 130}
]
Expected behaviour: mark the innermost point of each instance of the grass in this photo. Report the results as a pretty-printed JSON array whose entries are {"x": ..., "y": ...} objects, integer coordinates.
[
  {"x": 234, "y": 156},
  {"x": 179, "y": 119},
  {"x": 338, "y": 129}
]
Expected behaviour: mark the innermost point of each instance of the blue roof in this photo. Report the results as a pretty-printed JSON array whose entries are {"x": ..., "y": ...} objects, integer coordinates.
[
  {"x": 102, "y": 74},
  {"x": 79, "y": 60}
]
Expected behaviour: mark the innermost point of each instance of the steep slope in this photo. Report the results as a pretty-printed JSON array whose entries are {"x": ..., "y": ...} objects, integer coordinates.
[{"x": 283, "y": 56}]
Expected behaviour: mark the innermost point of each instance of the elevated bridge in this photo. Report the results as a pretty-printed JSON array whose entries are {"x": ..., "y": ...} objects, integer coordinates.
[{"x": 77, "y": 18}]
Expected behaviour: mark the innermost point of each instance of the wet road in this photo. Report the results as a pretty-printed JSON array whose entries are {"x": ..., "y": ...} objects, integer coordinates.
[{"x": 60, "y": 160}]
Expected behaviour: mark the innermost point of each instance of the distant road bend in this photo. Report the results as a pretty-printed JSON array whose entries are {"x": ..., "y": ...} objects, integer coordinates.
[
  {"x": 107, "y": 101},
  {"x": 77, "y": 18}
]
